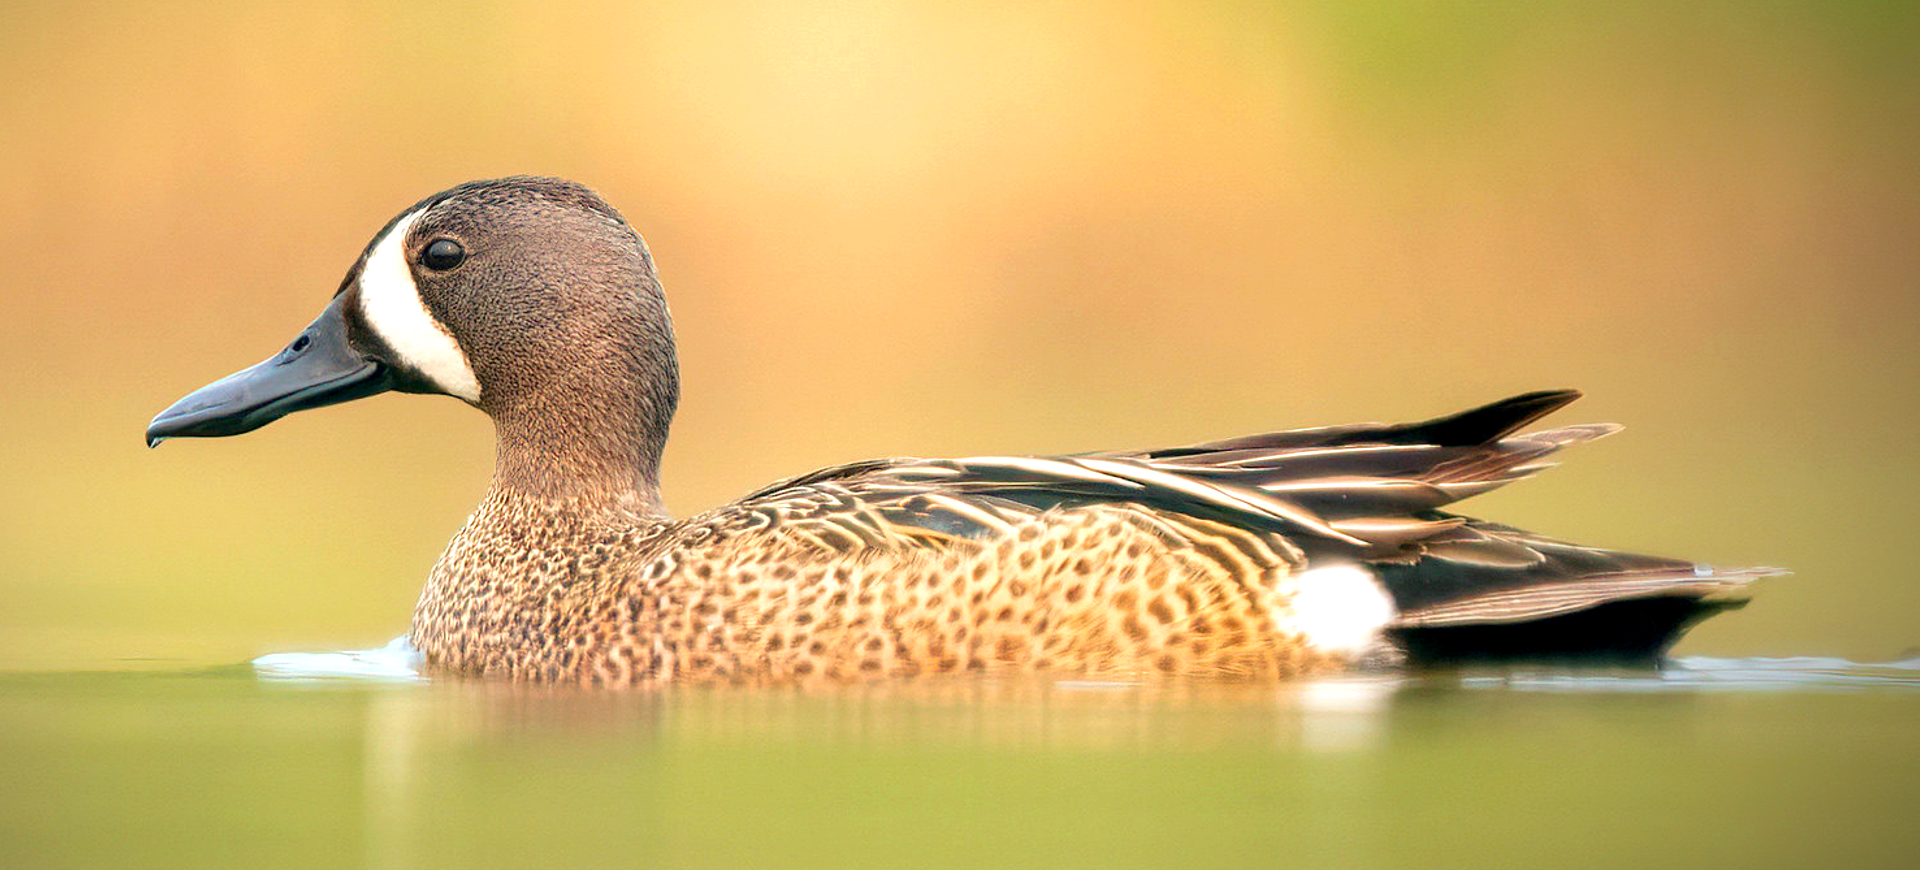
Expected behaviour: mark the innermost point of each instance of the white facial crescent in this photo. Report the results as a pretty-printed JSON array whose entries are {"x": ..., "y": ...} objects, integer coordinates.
[{"x": 391, "y": 304}]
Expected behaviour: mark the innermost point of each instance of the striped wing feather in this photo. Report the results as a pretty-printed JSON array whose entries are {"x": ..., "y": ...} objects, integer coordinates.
[{"x": 1370, "y": 492}]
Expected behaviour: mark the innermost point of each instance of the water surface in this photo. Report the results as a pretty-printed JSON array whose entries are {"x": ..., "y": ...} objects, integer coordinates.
[{"x": 350, "y": 759}]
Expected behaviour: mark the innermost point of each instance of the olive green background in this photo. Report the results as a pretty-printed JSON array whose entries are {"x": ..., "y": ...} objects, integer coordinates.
[{"x": 939, "y": 228}]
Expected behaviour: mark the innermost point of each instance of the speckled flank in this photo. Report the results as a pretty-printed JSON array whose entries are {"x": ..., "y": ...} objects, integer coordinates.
[{"x": 538, "y": 591}]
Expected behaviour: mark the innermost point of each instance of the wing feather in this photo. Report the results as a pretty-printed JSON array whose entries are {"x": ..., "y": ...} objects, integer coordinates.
[{"x": 1370, "y": 492}]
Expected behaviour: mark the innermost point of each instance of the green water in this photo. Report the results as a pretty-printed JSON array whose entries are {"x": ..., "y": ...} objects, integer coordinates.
[{"x": 1714, "y": 763}]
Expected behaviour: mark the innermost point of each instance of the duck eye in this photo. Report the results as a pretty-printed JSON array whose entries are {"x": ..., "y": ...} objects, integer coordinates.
[{"x": 443, "y": 254}]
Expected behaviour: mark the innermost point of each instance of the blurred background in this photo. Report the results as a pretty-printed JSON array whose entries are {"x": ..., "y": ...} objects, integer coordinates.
[{"x": 929, "y": 228}]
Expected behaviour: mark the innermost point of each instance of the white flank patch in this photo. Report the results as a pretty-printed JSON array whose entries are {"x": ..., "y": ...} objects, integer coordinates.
[
  {"x": 1341, "y": 608},
  {"x": 391, "y": 303}
]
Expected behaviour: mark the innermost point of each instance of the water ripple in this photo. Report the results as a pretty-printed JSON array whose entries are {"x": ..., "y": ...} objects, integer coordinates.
[
  {"x": 1703, "y": 673},
  {"x": 399, "y": 662}
]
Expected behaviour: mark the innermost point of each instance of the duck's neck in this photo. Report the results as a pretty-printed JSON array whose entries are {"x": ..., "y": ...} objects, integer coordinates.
[
  {"x": 513, "y": 591},
  {"x": 573, "y": 488},
  {"x": 592, "y": 454}
]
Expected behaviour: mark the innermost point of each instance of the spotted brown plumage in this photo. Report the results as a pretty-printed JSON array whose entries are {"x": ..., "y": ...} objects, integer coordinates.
[{"x": 1256, "y": 557}]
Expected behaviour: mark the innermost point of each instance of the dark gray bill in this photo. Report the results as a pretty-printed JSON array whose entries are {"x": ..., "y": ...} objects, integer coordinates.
[{"x": 318, "y": 368}]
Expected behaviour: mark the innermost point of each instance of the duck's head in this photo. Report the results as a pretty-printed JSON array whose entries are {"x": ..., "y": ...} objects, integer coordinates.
[{"x": 529, "y": 298}]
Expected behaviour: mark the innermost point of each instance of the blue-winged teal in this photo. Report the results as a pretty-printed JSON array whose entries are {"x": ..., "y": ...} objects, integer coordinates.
[{"x": 534, "y": 301}]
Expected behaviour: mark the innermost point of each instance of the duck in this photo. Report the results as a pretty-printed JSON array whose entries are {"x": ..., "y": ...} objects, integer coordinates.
[{"x": 1262, "y": 557}]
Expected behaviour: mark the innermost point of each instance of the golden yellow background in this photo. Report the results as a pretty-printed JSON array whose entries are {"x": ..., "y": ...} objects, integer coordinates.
[{"x": 937, "y": 228}]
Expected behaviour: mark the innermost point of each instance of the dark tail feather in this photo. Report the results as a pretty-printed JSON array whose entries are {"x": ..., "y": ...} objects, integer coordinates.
[
  {"x": 1483, "y": 424},
  {"x": 1497, "y": 593},
  {"x": 1636, "y": 631},
  {"x": 1625, "y": 617}
]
